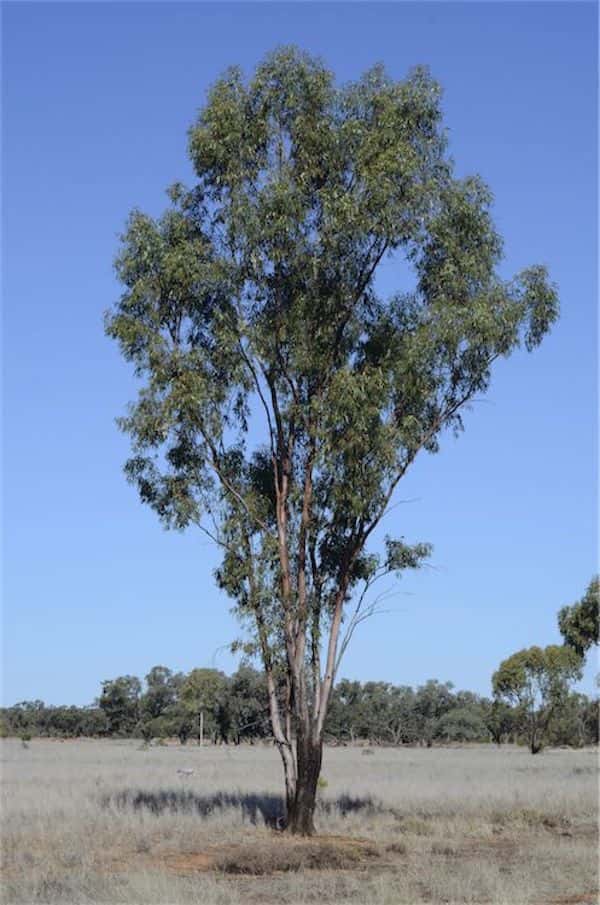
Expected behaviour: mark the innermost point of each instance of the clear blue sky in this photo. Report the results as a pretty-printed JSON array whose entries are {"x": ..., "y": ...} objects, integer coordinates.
[{"x": 97, "y": 101}]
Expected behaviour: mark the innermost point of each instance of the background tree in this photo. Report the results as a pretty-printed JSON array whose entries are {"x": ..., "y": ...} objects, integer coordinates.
[
  {"x": 93, "y": 721},
  {"x": 203, "y": 693},
  {"x": 160, "y": 713},
  {"x": 248, "y": 705},
  {"x": 432, "y": 701},
  {"x": 462, "y": 724},
  {"x": 344, "y": 716},
  {"x": 283, "y": 399},
  {"x": 120, "y": 703},
  {"x": 590, "y": 719},
  {"x": 578, "y": 623},
  {"x": 500, "y": 720},
  {"x": 375, "y": 711},
  {"x": 161, "y": 692},
  {"x": 574, "y": 722},
  {"x": 537, "y": 681},
  {"x": 26, "y": 717},
  {"x": 403, "y": 718}
]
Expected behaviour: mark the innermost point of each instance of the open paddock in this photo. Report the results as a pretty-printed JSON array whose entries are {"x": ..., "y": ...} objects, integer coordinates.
[{"x": 115, "y": 822}]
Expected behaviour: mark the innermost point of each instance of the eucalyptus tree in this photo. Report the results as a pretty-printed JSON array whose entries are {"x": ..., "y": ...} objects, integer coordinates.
[
  {"x": 500, "y": 720},
  {"x": 120, "y": 703},
  {"x": 161, "y": 691},
  {"x": 537, "y": 681},
  {"x": 282, "y": 397},
  {"x": 203, "y": 694},
  {"x": 247, "y": 704},
  {"x": 578, "y": 623},
  {"x": 462, "y": 724}
]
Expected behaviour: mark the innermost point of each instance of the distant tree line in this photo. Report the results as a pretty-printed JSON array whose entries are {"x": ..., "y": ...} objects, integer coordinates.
[
  {"x": 205, "y": 705},
  {"x": 533, "y": 703}
]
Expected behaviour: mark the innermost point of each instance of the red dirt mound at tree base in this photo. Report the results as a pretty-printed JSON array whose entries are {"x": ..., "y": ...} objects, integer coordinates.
[{"x": 280, "y": 854}]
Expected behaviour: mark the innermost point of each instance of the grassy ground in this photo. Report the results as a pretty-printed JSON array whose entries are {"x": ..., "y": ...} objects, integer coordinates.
[{"x": 111, "y": 822}]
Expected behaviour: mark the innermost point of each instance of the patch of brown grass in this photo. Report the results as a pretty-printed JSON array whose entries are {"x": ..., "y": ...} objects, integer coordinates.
[
  {"x": 416, "y": 826},
  {"x": 587, "y": 898},
  {"x": 291, "y": 855},
  {"x": 188, "y": 862}
]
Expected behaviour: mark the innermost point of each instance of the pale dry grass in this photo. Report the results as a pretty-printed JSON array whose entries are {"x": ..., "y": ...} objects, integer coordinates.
[{"x": 105, "y": 822}]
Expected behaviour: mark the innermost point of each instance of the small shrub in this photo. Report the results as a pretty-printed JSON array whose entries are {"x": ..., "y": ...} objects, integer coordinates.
[
  {"x": 397, "y": 848},
  {"x": 499, "y": 819},
  {"x": 367, "y": 752},
  {"x": 439, "y": 848},
  {"x": 530, "y": 817},
  {"x": 415, "y": 826},
  {"x": 533, "y": 818}
]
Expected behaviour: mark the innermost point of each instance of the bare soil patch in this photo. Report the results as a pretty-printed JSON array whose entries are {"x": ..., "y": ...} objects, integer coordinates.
[{"x": 277, "y": 854}]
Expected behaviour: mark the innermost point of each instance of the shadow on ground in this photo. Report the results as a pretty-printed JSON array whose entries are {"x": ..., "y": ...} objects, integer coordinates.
[{"x": 257, "y": 809}]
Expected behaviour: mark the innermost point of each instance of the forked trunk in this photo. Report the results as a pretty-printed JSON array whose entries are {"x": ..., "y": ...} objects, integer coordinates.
[{"x": 301, "y": 810}]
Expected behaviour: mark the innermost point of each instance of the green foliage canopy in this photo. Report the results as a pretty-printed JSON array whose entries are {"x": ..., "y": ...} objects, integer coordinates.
[
  {"x": 578, "y": 623},
  {"x": 120, "y": 702},
  {"x": 282, "y": 397},
  {"x": 259, "y": 282},
  {"x": 537, "y": 680}
]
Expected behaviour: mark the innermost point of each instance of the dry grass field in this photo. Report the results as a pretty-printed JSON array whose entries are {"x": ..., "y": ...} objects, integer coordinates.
[{"x": 112, "y": 822}]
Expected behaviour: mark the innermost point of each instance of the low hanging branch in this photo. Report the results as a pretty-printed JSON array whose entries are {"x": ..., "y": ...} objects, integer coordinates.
[{"x": 253, "y": 299}]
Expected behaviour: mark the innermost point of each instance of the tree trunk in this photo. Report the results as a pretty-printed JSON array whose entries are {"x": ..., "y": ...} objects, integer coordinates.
[
  {"x": 301, "y": 809},
  {"x": 289, "y": 774},
  {"x": 536, "y": 735},
  {"x": 535, "y": 746}
]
